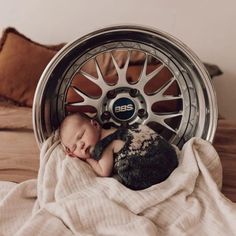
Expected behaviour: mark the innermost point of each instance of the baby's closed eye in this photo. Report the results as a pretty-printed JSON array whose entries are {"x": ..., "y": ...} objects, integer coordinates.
[{"x": 79, "y": 136}]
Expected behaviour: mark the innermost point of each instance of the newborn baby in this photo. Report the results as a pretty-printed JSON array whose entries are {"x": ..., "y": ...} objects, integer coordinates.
[{"x": 136, "y": 155}]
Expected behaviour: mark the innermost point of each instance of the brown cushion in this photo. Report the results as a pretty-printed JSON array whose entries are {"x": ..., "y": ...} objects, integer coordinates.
[
  {"x": 213, "y": 70},
  {"x": 22, "y": 62}
]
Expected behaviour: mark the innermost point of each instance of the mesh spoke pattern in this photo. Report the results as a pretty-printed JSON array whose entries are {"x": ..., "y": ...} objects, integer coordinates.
[{"x": 154, "y": 75}]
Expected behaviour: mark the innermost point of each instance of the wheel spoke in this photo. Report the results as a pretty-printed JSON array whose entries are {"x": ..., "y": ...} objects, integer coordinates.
[
  {"x": 122, "y": 71},
  {"x": 169, "y": 97},
  {"x": 155, "y": 72},
  {"x": 165, "y": 86},
  {"x": 160, "y": 118},
  {"x": 92, "y": 101},
  {"x": 160, "y": 97},
  {"x": 99, "y": 80},
  {"x": 144, "y": 78},
  {"x": 170, "y": 115},
  {"x": 159, "y": 94}
]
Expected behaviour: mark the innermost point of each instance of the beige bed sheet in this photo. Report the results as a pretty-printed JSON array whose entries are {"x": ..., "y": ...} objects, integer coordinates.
[{"x": 19, "y": 153}]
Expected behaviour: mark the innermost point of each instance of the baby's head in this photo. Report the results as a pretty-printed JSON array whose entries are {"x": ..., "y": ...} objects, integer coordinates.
[{"x": 79, "y": 134}]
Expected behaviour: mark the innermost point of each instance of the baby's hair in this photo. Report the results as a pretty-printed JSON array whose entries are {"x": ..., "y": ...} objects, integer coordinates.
[{"x": 79, "y": 115}]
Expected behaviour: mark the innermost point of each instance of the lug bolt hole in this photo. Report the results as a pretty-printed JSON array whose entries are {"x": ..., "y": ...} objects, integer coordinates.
[
  {"x": 142, "y": 113},
  {"x": 133, "y": 92},
  {"x": 106, "y": 115},
  {"x": 111, "y": 94}
]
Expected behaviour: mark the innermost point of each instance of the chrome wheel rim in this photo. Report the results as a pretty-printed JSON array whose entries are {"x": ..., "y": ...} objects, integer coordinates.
[{"x": 181, "y": 106}]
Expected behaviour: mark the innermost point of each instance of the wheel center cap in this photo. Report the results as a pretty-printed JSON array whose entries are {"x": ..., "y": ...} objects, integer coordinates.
[{"x": 123, "y": 108}]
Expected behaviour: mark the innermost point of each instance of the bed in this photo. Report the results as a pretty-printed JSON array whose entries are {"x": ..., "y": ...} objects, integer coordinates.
[
  {"x": 20, "y": 159},
  {"x": 21, "y": 63}
]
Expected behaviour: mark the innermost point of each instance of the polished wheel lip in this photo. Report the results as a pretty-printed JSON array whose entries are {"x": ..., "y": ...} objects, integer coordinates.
[{"x": 211, "y": 111}]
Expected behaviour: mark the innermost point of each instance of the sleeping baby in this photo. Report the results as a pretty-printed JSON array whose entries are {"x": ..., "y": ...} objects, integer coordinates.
[{"x": 136, "y": 154}]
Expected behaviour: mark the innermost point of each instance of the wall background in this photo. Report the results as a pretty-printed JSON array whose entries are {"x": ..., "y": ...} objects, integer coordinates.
[{"x": 206, "y": 26}]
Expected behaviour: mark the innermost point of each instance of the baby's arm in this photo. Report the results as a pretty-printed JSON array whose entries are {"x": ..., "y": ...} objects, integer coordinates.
[{"x": 104, "y": 166}]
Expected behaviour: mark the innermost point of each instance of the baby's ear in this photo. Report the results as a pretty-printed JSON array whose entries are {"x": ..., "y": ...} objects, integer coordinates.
[{"x": 95, "y": 123}]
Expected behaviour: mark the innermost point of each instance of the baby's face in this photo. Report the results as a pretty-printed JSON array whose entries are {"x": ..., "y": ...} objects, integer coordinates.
[{"x": 80, "y": 136}]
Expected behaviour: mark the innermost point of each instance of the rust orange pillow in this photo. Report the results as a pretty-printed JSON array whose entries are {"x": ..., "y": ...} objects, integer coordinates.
[{"x": 22, "y": 62}]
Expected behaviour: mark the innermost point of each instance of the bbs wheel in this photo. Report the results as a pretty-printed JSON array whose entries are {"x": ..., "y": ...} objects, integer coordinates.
[{"x": 128, "y": 74}]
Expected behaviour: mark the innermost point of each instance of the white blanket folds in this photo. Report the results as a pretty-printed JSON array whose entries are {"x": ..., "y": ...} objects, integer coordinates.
[{"x": 69, "y": 199}]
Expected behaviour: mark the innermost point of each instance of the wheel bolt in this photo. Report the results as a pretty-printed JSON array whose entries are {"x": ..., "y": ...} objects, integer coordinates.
[
  {"x": 141, "y": 113},
  {"x": 106, "y": 115},
  {"x": 111, "y": 94},
  {"x": 133, "y": 92}
]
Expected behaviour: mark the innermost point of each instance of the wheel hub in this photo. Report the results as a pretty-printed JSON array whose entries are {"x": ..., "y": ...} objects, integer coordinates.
[{"x": 123, "y": 105}]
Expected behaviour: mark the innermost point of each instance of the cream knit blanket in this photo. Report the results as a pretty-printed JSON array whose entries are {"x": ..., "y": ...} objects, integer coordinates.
[{"x": 69, "y": 199}]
